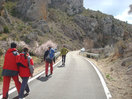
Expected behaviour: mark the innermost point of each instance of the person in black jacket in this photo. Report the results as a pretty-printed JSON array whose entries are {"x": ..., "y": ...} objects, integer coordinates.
[{"x": 48, "y": 61}]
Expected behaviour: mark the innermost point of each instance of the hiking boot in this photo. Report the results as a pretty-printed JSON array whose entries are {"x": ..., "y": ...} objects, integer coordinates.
[
  {"x": 4, "y": 98},
  {"x": 27, "y": 93}
]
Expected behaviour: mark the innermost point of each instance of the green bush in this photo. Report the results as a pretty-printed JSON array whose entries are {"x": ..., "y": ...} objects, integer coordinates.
[
  {"x": 10, "y": 6},
  {"x": 1, "y": 52},
  {"x": 6, "y": 29},
  {"x": 0, "y": 73}
]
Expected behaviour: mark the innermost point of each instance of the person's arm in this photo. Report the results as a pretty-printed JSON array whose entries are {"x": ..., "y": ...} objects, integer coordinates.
[
  {"x": 18, "y": 58},
  {"x": 61, "y": 52},
  {"x": 45, "y": 55},
  {"x": 67, "y": 50}
]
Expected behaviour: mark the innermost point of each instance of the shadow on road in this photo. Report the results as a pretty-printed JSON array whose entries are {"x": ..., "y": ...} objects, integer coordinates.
[
  {"x": 43, "y": 78},
  {"x": 61, "y": 66},
  {"x": 18, "y": 98}
]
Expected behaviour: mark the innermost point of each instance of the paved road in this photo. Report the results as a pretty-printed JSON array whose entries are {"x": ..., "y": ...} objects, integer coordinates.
[{"x": 77, "y": 80}]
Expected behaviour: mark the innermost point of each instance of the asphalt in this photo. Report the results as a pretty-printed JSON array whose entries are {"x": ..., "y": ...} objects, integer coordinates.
[{"x": 76, "y": 80}]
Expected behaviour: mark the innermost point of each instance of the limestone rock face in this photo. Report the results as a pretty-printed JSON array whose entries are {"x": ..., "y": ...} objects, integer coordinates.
[
  {"x": 70, "y": 6},
  {"x": 32, "y": 9},
  {"x": 103, "y": 31}
]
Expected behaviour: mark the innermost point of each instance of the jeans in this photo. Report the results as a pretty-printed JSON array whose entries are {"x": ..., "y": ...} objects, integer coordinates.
[
  {"x": 63, "y": 59},
  {"x": 24, "y": 86}
]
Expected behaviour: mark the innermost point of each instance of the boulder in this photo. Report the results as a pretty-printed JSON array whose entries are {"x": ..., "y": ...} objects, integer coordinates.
[
  {"x": 41, "y": 25},
  {"x": 129, "y": 71},
  {"x": 32, "y": 9},
  {"x": 2, "y": 21},
  {"x": 127, "y": 61}
]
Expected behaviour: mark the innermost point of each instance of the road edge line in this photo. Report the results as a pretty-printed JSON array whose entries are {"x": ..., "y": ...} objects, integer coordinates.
[
  {"x": 106, "y": 90},
  {"x": 31, "y": 79}
]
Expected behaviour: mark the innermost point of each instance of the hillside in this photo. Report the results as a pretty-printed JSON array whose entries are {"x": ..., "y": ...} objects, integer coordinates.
[{"x": 38, "y": 23}]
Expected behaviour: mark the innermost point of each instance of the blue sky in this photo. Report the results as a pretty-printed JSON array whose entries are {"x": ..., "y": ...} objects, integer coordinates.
[{"x": 118, "y": 8}]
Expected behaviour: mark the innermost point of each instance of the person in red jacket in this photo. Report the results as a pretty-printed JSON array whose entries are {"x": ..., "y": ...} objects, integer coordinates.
[
  {"x": 10, "y": 70},
  {"x": 23, "y": 61}
]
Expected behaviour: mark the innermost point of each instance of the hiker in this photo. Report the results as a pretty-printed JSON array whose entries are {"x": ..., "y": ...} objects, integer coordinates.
[
  {"x": 64, "y": 51},
  {"x": 48, "y": 58},
  {"x": 24, "y": 61},
  {"x": 10, "y": 70}
]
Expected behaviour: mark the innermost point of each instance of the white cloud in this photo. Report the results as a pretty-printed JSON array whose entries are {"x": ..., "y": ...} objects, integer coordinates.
[{"x": 124, "y": 16}]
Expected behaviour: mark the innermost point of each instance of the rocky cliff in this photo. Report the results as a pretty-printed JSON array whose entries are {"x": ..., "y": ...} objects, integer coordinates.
[
  {"x": 63, "y": 21},
  {"x": 37, "y": 9},
  {"x": 70, "y": 6},
  {"x": 32, "y": 9}
]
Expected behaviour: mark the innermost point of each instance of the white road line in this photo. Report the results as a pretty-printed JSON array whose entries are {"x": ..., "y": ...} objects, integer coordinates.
[
  {"x": 106, "y": 90},
  {"x": 30, "y": 80}
]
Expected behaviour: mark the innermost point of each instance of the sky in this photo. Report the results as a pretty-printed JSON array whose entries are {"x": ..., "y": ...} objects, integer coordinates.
[{"x": 118, "y": 8}]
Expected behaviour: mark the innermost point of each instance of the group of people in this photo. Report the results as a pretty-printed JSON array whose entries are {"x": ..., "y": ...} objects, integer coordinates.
[
  {"x": 21, "y": 64},
  {"x": 16, "y": 64},
  {"x": 49, "y": 58}
]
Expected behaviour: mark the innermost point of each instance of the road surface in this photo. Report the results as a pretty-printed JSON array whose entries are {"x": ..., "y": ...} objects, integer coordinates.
[{"x": 77, "y": 80}]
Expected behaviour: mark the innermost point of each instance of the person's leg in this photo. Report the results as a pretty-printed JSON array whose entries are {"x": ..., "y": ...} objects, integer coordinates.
[
  {"x": 17, "y": 83},
  {"x": 23, "y": 86},
  {"x": 51, "y": 68},
  {"x": 27, "y": 88},
  {"x": 64, "y": 58},
  {"x": 6, "y": 83},
  {"x": 46, "y": 68}
]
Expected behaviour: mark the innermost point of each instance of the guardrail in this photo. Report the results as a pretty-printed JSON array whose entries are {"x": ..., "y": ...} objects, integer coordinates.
[
  {"x": 57, "y": 55},
  {"x": 90, "y": 55}
]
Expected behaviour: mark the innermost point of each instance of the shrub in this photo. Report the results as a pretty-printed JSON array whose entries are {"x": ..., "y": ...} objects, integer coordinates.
[
  {"x": 1, "y": 52},
  {"x": 0, "y": 73},
  {"x": 10, "y": 6},
  {"x": 119, "y": 48},
  {"x": 6, "y": 29}
]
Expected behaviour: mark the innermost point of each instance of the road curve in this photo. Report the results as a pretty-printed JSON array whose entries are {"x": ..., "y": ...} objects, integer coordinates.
[{"x": 77, "y": 80}]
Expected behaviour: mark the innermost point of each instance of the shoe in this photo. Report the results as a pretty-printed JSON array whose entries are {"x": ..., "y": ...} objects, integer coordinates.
[
  {"x": 27, "y": 93},
  {"x": 46, "y": 75},
  {"x": 4, "y": 98}
]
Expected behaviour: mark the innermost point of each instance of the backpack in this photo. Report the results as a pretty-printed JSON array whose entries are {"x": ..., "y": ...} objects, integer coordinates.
[
  {"x": 50, "y": 56},
  {"x": 31, "y": 67}
]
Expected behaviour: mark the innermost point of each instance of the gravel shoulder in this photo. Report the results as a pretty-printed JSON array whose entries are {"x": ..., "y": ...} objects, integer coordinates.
[{"x": 116, "y": 77}]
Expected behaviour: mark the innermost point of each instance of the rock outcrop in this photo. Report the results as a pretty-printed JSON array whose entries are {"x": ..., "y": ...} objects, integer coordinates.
[
  {"x": 70, "y": 6},
  {"x": 32, "y": 9},
  {"x": 103, "y": 30}
]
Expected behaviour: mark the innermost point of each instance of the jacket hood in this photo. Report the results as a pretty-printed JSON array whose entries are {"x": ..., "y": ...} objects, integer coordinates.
[
  {"x": 24, "y": 53},
  {"x": 11, "y": 50}
]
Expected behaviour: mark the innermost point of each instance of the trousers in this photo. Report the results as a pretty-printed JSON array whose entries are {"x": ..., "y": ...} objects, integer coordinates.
[
  {"x": 24, "y": 86},
  {"x": 6, "y": 83},
  {"x": 46, "y": 67}
]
